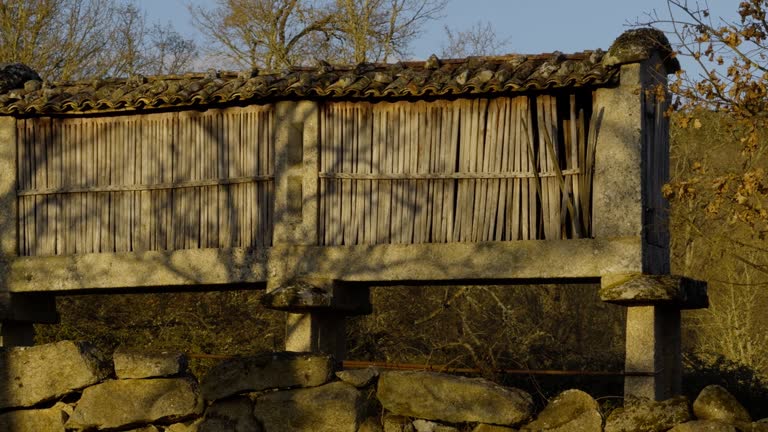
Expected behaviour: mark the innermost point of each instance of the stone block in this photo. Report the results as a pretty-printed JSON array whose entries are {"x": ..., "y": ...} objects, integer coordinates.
[
  {"x": 266, "y": 371},
  {"x": 570, "y": 411},
  {"x": 716, "y": 403},
  {"x": 133, "y": 364},
  {"x": 335, "y": 407},
  {"x": 396, "y": 423},
  {"x": 703, "y": 426},
  {"x": 150, "y": 428},
  {"x": 452, "y": 399},
  {"x": 648, "y": 290},
  {"x": 371, "y": 424},
  {"x": 422, "y": 425},
  {"x": 124, "y": 403},
  {"x": 303, "y": 296},
  {"x": 230, "y": 415},
  {"x": 358, "y": 377},
  {"x": 648, "y": 415},
  {"x": 45, "y": 372},
  {"x": 188, "y": 426},
  {"x": 492, "y": 428},
  {"x": 35, "y": 420}
]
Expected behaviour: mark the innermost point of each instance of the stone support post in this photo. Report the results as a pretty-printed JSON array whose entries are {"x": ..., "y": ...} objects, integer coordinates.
[
  {"x": 653, "y": 346},
  {"x": 17, "y": 311},
  {"x": 631, "y": 166},
  {"x": 316, "y": 309},
  {"x": 652, "y": 359}
]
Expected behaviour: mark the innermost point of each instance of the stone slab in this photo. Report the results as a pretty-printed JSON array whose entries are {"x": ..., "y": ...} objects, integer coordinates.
[
  {"x": 34, "y": 420},
  {"x": 334, "y": 407},
  {"x": 304, "y": 296},
  {"x": 647, "y": 290},
  {"x": 124, "y": 403},
  {"x": 133, "y": 364},
  {"x": 452, "y": 399},
  {"x": 529, "y": 259},
  {"x": 266, "y": 371},
  {"x": 45, "y": 372}
]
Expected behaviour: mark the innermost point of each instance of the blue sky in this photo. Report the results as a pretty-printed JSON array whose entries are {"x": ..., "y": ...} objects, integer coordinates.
[{"x": 531, "y": 26}]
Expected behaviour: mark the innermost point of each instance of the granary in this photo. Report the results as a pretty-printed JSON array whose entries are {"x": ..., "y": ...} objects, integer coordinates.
[{"x": 318, "y": 182}]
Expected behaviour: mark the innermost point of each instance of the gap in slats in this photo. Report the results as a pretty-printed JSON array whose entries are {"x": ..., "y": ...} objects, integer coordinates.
[{"x": 469, "y": 170}]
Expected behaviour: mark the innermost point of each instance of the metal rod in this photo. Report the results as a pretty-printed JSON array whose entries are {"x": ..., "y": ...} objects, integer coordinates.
[{"x": 358, "y": 364}]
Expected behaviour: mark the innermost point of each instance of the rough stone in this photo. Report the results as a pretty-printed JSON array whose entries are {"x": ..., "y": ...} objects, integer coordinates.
[
  {"x": 266, "y": 371},
  {"x": 703, "y": 426},
  {"x": 123, "y": 403},
  {"x": 639, "y": 414},
  {"x": 422, "y": 425},
  {"x": 358, "y": 377},
  {"x": 452, "y": 399},
  {"x": 645, "y": 289},
  {"x": 189, "y": 426},
  {"x": 150, "y": 428},
  {"x": 14, "y": 75},
  {"x": 570, "y": 411},
  {"x": 230, "y": 415},
  {"x": 335, "y": 407},
  {"x": 35, "y": 420},
  {"x": 371, "y": 424},
  {"x": 716, "y": 403},
  {"x": 131, "y": 364},
  {"x": 45, "y": 372},
  {"x": 492, "y": 428},
  {"x": 396, "y": 423}
]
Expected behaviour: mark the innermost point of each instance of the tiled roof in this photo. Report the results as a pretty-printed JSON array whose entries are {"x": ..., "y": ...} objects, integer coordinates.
[{"x": 431, "y": 78}]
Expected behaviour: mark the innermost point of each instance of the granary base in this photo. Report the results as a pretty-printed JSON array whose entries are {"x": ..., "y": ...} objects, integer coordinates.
[{"x": 653, "y": 361}]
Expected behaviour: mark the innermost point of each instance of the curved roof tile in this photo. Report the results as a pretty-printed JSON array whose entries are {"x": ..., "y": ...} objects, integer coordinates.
[{"x": 436, "y": 78}]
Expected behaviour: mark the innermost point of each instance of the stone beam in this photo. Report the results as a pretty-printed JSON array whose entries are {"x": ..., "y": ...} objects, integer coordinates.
[{"x": 530, "y": 259}]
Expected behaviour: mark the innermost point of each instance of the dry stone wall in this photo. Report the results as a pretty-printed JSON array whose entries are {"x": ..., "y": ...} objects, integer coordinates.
[{"x": 68, "y": 386}]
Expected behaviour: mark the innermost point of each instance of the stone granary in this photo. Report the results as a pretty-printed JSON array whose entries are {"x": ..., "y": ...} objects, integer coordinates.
[{"x": 318, "y": 182}]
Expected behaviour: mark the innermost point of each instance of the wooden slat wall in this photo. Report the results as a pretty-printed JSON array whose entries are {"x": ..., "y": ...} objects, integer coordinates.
[
  {"x": 146, "y": 182},
  {"x": 468, "y": 170}
]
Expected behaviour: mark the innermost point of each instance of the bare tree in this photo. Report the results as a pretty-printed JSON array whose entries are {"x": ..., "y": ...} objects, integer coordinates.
[
  {"x": 378, "y": 30},
  {"x": 71, "y": 39},
  {"x": 480, "y": 39},
  {"x": 275, "y": 34}
]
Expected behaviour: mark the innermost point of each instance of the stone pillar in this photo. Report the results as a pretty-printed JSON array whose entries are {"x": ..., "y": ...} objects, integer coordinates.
[
  {"x": 17, "y": 311},
  {"x": 631, "y": 166},
  {"x": 652, "y": 359},
  {"x": 323, "y": 332},
  {"x": 316, "y": 309},
  {"x": 653, "y": 346}
]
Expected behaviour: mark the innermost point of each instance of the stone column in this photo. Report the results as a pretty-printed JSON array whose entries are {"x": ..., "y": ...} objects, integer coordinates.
[
  {"x": 653, "y": 359},
  {"x": 316, "y": 308},
  {"x": 631, "y": 166},
  {"x": 17, "y": 311}
]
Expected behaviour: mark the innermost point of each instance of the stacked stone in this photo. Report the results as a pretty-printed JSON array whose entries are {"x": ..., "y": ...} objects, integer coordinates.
[{"x": 68, "y": 386}]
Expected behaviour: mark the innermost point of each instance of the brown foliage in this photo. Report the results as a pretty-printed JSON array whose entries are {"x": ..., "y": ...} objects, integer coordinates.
[{"x": 731, "y": 79}]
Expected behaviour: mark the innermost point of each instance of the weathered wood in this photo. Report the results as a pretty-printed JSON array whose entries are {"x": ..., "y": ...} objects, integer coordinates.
[{"x": 134, "y": 183}]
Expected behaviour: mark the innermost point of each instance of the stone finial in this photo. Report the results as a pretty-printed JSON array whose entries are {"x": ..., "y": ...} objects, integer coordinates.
[
  {"x": 249, "y": 73},
  {"x": 323, "y": 67},
  {"x": 136, "y": 80},
  {"x": 14, "y": 75},
  {"x": 432, "y": 62},
  {"x": 640, "y": 44}
]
